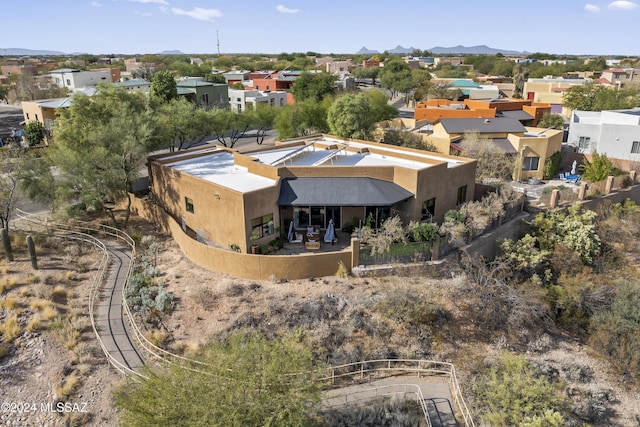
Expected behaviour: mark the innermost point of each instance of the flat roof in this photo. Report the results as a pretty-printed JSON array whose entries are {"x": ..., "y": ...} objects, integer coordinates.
[
  {"x": 333, "y": 152},
  {"x": 219, "y": 168}
]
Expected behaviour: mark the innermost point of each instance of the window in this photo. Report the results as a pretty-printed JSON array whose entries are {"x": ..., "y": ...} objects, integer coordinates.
[
  {"x": 188, "y": 204},
  {"x": 462, "y": 195},
  {"x": 257, "y": 87},
  {"x": 238, "y": 100},
  {"x": 428, "y": 210},
  {"x": 262, "y": 226},
  {"x": 36, "y": 117},
  {"x": 584, "y": 142},
  {"x": 530, "y": 163},
  {"x": 635, "y": 147},
  {"x": 68, "y": 82},
  {"x": 301, "y": 217},
  {"x": 205, "y": 98},
  {"x": 27, "y": 116}
]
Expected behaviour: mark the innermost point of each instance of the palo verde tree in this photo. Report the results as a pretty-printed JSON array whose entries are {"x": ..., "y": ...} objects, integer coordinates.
[
  {"x": 8, "y": 185},
  {"x": 34, "y": 132},
  {"x": 244, "y": 380},
  {"x": 314, "y": 86},
  {"x": 300, "y": 119},
  {"x": 228, "y": 126},
  {"x": 590, "y": 97},
  {"x": 262, "y": 118},
  {"x": 182, "y": 124},
  {"x": 163, "y": 86},
  {"x": 599, "y": 168},
  {"x": 100, "y": 144},
  {"x": 551, "y": 121}
]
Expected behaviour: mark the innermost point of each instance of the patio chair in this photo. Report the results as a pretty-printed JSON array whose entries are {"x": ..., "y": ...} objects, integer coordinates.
[{"x": 299, "y": 238}]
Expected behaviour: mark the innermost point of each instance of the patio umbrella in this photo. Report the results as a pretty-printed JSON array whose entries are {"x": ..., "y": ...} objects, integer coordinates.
[
  {"x": 291, "y": 235},
  {"x": 330, "y": 235},
  {"x": 573, "y": 167}
]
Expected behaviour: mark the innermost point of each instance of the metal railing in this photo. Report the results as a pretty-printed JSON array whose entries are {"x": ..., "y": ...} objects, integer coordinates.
[
  {"x": 72, "y": 233},
  {"x": 374, "y": 369},
  {"x": 398, "y": 390}
]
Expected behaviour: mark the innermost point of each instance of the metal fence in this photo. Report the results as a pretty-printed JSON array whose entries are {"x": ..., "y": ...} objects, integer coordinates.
[{"x": 413, "y": 252}]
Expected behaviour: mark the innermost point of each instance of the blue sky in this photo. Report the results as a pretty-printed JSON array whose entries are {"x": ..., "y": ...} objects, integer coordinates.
[{"x": 327, "y": 26}]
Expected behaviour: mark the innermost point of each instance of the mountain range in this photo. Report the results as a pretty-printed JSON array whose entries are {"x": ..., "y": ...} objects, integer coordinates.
[{"x": 439, "y": 50}]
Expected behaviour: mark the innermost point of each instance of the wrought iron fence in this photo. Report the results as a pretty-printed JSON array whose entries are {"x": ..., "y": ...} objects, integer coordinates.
[{"x": 397, "y": 253}]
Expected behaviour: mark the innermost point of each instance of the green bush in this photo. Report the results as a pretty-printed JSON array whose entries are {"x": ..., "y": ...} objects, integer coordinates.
[
  {"x": 511, "y": 393},
  {"x": 552, "y": 165}
]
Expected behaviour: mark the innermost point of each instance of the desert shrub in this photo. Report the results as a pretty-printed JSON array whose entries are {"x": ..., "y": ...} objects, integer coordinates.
[
  {"x": 67, "y": 386},
  {"x": 616, "y": 332},
  {"x": 590, "y": 403},
  {"x": 381, "y": 412},
  {"x": 552, "y": 165},
  {"x": 510, "y": 391},
  {"x": 422, "y": 232},
  {"x": 342, "y": 271},
  {"x": 411, "y": 307}
]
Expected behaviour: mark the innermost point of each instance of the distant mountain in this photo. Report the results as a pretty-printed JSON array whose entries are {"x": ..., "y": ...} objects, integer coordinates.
[
  {"x": 456, "y": 50},
  {"x": 473, "y": 50},
  {"x": 400, "y": 49},
  {"x": 15, "y": 51},
  {"x": 171, "y": 52},
  {"x": 364, "y": 51}
]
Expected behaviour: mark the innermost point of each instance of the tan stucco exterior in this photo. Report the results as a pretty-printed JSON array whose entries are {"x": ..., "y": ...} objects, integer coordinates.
[{"x": 223, "y": 216}]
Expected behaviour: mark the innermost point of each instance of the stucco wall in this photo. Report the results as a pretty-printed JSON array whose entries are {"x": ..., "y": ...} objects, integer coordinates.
[{"x": 256, "y": 267}]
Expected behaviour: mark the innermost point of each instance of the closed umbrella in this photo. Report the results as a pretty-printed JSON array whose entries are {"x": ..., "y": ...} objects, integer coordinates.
[
  {"x": 573, "y": 167},
  {"x": 330, "y": 235},
  {"x": 291, "y": 236}
]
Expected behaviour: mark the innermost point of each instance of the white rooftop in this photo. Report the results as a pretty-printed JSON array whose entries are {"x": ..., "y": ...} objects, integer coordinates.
[
  {"x": 220, "y": 169},
  {"x": 320, "y": 155}
]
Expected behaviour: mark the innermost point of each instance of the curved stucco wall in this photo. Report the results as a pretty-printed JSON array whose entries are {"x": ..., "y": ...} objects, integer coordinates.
[{"x": 256, "y": 267}]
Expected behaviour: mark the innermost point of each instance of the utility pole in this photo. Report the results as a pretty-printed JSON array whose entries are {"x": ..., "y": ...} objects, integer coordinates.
[{"x": 218, "y": 41}]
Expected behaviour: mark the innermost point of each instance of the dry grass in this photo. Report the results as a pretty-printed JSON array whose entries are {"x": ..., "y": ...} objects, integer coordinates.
[
  {"x": 59, "y": 291},
  {"x": 10, "y": 328},
  {"x": 7, "y": 283},
  {"x": 49, "y": 313},
  {"x": 33, "y": 279},
  {"x": 40, "y": 304},
  {"x": 4, "y": 350},
  {"x": 70, "y": 276},
  {"x": 34, "y": 323},
  {"x": 156, "y": 337},
  {"x": 72, "y": 338},
  {"x": 81, "y": 353},
  {"x": 9, "y": 303},
  {"x": 67, "y": 387},
  {"x": 4, "y": 268}
]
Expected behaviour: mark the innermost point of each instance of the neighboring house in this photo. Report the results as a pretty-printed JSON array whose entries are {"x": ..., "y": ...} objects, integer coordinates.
[
  {"x": 225, "y": 197},
  {"x": 551, "y": 91},
  {"x": 73, "y": 79},
  {"x": 113, "y": 71},
  {"x": 615, "y": 133},
  {"x": 44, "y": 111},
  {"x": 8, "y": 70},
  {"x": 135, "y": 85},
  {"x": 532, "y": 145},
  {"x": 239, "y": 99},
  {"x": 371, "y": 63},
  {"x": 232, "y": 77},
  {"x": 621, "y": 77},
  {"x": 451, "y": 60},
  {"x": 280, "y": 81},
  {"x": 339, "y": 67},
  {"x": 525, "y": 111},
  {"x": 204, "y": 94},
  {"x": 196, "y": 61}
]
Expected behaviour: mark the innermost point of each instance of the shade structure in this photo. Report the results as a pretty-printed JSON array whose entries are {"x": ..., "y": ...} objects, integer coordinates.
[
  {"x": 291, "y": 235},
  {"x": 330, "y": 234}
]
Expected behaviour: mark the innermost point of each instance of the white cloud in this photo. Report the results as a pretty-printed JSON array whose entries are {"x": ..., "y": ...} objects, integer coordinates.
[
  {"x": 591, "y": 8},
  {"x": 164, "y": 9},
  {"x": 142, "y": 13},
  {"x": 164, "y": 2},
  {"x": 95, "y": 4},
  {"x": 623, "y": 4},
  {"x": 198, "y": 13},
  {"x": 283, "y": 9}
]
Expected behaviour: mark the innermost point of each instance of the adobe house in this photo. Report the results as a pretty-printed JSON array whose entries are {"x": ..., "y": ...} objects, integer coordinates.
[{"x": 225, "y": 197}]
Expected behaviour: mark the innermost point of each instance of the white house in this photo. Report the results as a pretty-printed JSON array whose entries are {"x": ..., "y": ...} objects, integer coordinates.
[
  {"x": 240, "y": 99},
  {"x": 615, "y": 133},
  {"x": 76, "y": 79}
]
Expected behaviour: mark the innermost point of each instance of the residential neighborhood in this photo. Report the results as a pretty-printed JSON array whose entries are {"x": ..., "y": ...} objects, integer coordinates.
[{"x": 411, "y": 236}]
